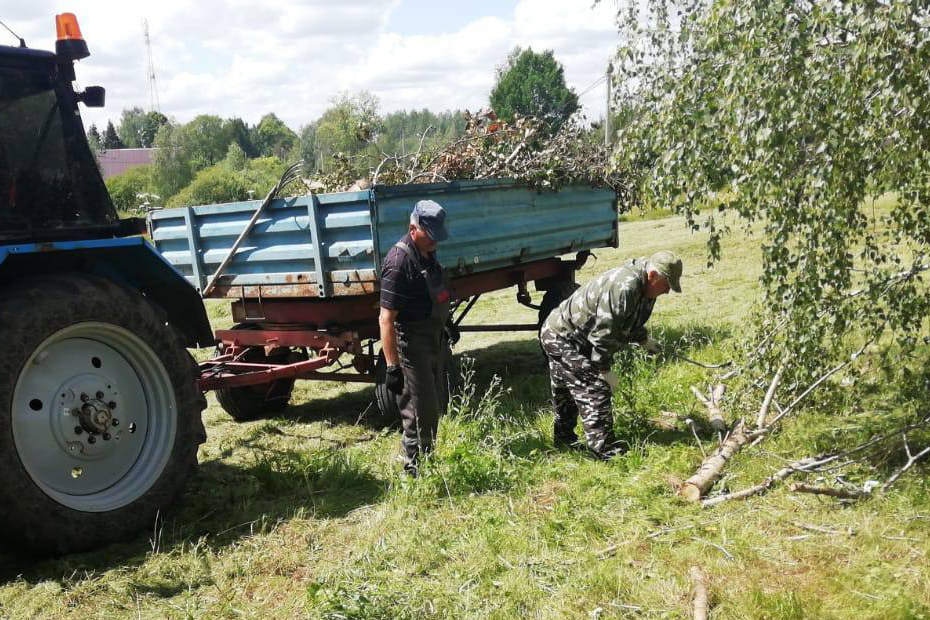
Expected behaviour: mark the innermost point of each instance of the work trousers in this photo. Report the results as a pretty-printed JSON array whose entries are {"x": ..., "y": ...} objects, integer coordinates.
[
  {"x": 577, "y": 387},
  {"x": 419, "y": 345}
]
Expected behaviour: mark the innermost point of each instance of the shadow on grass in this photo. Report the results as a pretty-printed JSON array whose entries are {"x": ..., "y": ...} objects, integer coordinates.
[{"x": 223, "y": 504}]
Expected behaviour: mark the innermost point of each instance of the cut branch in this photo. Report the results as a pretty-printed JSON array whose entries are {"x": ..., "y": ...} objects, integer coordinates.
[
  {"x": 712, "y": 403},
  {"x": 767, "y": 402},
  {"x": 700, "y": 604},
  {"x": 765, "y": 485},
  {"x": 911, "y": 460},
  {"x": 800, "y": 487},
  {"x": 697, "y": 485}
]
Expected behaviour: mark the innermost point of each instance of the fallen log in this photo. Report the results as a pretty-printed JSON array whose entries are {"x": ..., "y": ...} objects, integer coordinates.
[
  {"x": 697, "y": 485},
  {"x": 700, "y": 604}
]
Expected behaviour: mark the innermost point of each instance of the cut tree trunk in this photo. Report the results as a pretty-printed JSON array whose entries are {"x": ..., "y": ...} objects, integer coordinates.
[{"x": 697, "y": 485}]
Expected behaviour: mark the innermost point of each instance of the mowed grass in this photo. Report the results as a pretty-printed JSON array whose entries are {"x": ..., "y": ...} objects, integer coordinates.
[{"x": 306, "y": 515}]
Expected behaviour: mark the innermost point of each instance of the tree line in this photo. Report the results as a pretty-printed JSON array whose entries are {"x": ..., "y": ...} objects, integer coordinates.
[{"x": 211, "y": 159}]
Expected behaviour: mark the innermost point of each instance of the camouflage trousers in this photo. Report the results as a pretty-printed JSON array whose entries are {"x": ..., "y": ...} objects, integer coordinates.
[{"x": 577, "y": 387}]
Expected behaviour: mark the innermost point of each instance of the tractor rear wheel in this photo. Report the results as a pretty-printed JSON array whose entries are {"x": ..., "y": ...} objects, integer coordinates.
[{"x": 99, "y": 413}]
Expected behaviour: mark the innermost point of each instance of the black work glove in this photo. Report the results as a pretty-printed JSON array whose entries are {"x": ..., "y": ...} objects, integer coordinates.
[{"x": 394, "y": 379}]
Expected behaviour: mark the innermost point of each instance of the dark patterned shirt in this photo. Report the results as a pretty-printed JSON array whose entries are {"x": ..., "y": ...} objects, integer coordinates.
[{"x": 402, "y": 285}]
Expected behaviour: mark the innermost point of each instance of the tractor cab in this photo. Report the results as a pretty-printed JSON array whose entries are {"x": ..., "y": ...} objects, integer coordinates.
[{"x": 50, "y": 185}]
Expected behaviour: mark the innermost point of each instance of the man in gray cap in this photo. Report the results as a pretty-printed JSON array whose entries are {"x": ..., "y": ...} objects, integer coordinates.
[
  {"x": 415, "y": 298},
  {"x": 581, "y": 336}
]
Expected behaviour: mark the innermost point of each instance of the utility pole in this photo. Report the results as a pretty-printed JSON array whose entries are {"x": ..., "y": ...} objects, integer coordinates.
[
  {"x": 607, "y": 128},
  {"x": 153, "y": 88}
]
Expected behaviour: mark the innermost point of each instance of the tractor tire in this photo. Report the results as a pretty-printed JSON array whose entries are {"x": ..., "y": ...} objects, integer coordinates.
[
  {"x": 99, "y": 414},
  {"x": 553, "y": 297},
  {"x": 388, "y": 411},
  {"x": 251, "y": 402}
]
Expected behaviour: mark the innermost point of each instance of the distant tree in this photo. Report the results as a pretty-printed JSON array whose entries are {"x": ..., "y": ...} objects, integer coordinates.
[
  {"x": 235, "y": 159},
  {"x": 93, "y": 139},
  {"x": 111, "y": 138},
  {"x": 151, "y": 123},
  {"x": 272, "y": 137},
  {"x": 205, "y": 140},
  {"x": 533, "y": 84},
  {"x": 400, "y": 131},
  {"x": 172, "y": 168},
  {"x": 308, "y": 148},
  {"x": 137, "y": 128},
  {"x": 239, "y": 133},
  {"x": 350, "y": 124}
]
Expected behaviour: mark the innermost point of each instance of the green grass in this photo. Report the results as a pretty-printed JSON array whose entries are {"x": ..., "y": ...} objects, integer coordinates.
[{"x": 307, "y": 515}]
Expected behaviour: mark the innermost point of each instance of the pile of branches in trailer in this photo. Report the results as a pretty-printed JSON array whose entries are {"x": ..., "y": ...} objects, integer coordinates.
[{"x": 524, "y": 149}]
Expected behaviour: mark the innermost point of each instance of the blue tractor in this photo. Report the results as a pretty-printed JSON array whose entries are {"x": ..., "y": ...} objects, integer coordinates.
[{"x": 99, "y": 404}]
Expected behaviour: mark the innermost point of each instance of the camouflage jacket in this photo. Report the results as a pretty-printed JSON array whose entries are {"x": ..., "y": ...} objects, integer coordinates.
[{"x": 606, "y": 313}]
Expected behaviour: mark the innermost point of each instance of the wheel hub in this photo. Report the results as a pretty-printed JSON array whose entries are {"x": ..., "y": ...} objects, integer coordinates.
[{"x": 82, "y": 416}]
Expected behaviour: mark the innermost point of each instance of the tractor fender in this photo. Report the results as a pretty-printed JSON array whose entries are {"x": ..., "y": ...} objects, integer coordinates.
[{"x": 130, "y": 261}]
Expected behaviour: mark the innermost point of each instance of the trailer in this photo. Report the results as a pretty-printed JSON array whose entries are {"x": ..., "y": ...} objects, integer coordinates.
[{"x": 302, "y": 273}]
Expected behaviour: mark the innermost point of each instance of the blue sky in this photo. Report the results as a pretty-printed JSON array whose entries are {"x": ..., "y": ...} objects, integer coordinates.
[{"x": 245, "y": 58}]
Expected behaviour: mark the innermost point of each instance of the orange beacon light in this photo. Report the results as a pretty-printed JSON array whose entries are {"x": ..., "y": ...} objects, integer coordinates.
[{"x": 70, "y": 43}]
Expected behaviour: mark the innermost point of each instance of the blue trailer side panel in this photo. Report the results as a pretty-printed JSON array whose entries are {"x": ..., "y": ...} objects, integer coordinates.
[
  {"x": 321, "y": 241},
  {"x": 494, "y": 224},
  {"x": 331, "y": 245}
]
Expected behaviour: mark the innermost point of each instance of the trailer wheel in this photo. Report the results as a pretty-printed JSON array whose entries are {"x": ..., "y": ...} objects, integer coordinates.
[
  {"x": 99, "y": 414},
  {"x": 553, "y": 297},
  {"x": 388, "y": 414},
  {"x": 251, "y": 402}
]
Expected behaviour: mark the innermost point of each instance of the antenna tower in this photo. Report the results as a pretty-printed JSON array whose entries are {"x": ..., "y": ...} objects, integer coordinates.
[{"x": 153, "y": 88}]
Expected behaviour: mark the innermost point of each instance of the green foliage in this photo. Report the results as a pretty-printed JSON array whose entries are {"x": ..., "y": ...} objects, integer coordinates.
[
  {"x": 347, "y": 129},
  {"x": 238, "y": 132},
  {"x": 94, "y": 140},
  {"x": 271, "y": 137},
  {"x": 172, "y": 163},
  {"x": 215, "y": 184},
  {"x": 132, "y": 188},
  {"x": 794, "y": 114},
  {"x": 307, "y": 148},
  {"x": 110, "y": 138},
  {"x": 204, "y": 140},
  {"x": 401, "y": 132},
  {"x": 533, "y": 84},
  {"x": 138, "y": 128}
]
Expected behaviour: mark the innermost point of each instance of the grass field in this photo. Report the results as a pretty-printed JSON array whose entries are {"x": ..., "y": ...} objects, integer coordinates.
[{"x": 307, "y": 516}]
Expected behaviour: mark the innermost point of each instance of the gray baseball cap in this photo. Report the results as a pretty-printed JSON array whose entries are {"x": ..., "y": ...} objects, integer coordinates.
[
  {"x": 669, "y": 265},
  {"x": 431, "y": 217}
]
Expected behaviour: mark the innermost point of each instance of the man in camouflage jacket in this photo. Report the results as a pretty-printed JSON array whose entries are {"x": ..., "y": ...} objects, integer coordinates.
[{"x": 581, "y": 336}]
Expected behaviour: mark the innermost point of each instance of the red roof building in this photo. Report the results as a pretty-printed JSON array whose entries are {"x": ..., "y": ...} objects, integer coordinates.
[{"x": 118, "y": 161}]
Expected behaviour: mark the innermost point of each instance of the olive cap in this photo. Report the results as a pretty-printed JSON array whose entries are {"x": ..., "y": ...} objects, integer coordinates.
[{"x": 669, "y": 265}]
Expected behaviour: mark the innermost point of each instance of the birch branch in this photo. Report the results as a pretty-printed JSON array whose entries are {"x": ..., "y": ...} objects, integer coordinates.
[
  {"x": 765, "y": 485},
  {"x": 700, "y": 604},
  {"x": 712, "y": 403},
  {"x": 767, "y": 402},
  {"x": 697, "y": 485},
  {"x": 911, "y": 460},
  {"x": 800, "y": 487}
]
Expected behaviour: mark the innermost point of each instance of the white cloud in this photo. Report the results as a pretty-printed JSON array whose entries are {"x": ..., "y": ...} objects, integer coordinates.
[{"x": 242, "y": 58}]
